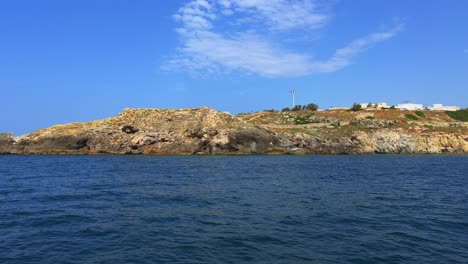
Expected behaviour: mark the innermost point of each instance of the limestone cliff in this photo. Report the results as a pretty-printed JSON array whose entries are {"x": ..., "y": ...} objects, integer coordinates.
[{"x": 206, "y": 131}]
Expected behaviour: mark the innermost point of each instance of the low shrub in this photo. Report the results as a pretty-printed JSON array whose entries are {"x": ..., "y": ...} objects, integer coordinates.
[
  {"x": 311, "y": 107},
  {"x": 356, "y": 107},
  {"x": 297, "y": 108},
  {"x": 460, "y": 115},
  {"x": 301, "y": 120},
  {"x": 411, "y": 117},
  {"x": 420, "y": 114}
]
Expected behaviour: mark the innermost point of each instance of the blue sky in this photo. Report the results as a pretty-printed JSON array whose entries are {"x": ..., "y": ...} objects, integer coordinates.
[{"x": 66, "y": 61}]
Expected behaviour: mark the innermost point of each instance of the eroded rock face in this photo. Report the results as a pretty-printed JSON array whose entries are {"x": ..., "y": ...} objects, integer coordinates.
[
  {"x": 396, "y": 142},
  {"x": 206, "y": 131},
  {"x": 129, "y": 130},
  {"x": 6, "y": 143},
  {"x": 149, "y": 131}
]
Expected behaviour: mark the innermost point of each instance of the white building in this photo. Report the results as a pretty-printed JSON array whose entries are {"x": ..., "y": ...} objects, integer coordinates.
[
  {"x": 440, "y": 107},
  {"x": 409, "y": 106},
  {"x": 338, "y": 108},
  {"x": 364, "y": 105},
  {"x": 378, "y": 105},
  {"x": 382, "y": 105}
]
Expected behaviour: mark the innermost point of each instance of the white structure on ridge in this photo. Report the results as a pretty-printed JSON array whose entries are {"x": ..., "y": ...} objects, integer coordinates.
[
  {"x": 364, "y": 105},
  {"x": 382, "y": 105},
  {"x": 338, "y": 108},
  {"x": 440, "y": 107},
  {"x": 377, "y": 106},
  {"x": 409, "y": 106}
]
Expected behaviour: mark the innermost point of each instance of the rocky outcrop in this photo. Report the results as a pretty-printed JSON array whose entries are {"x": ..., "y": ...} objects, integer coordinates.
[
  {"x": 206, "y": 131},
  {"x": 151, "y": 131},
  {"x": 6, "y": 143},
  {"x": 396, "y": 142}
]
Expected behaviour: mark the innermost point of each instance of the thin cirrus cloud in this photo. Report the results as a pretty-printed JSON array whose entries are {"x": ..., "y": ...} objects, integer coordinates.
[{"x": 249, "y": 46}]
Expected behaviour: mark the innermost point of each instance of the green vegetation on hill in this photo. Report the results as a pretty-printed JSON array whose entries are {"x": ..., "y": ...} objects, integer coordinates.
[
  {"x": 420, "y": 114},
  {"x": 411, "y": 117},
  {"x": 301, "y": 120},
  {"x": 311, "y": 107},
  {"x": 296, "y": 108},
  {"x": 460, "y": 115},
  {"x": 356, "y": 107}
]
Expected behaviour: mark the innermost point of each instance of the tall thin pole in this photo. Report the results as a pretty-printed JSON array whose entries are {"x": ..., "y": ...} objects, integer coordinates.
[{"x": 293, "y": 103}]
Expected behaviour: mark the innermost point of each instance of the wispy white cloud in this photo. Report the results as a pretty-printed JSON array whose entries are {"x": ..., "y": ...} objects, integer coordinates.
[
  {"x": 343, "y": 56},
  {"x": 466, "y": 50},
  {"x": 281, "y": 14},
  {"x": 204, "y": 49}
]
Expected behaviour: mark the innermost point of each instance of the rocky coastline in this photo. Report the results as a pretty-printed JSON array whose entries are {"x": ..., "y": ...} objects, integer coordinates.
[{"x": 207, "y": 131}]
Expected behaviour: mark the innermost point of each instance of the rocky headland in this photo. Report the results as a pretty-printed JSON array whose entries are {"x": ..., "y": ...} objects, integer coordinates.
[{"x": 207, "y": 131}]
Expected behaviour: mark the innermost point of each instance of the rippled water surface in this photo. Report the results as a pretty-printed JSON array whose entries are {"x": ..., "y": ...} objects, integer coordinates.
[{"x": 233, "y": 209}]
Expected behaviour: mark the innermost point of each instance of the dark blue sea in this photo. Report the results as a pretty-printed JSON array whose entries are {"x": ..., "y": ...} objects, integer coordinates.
[{"x": 234, "y": 209}]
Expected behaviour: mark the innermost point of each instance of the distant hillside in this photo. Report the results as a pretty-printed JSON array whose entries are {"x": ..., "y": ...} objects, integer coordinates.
[{"x": 207, "y": 131}]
